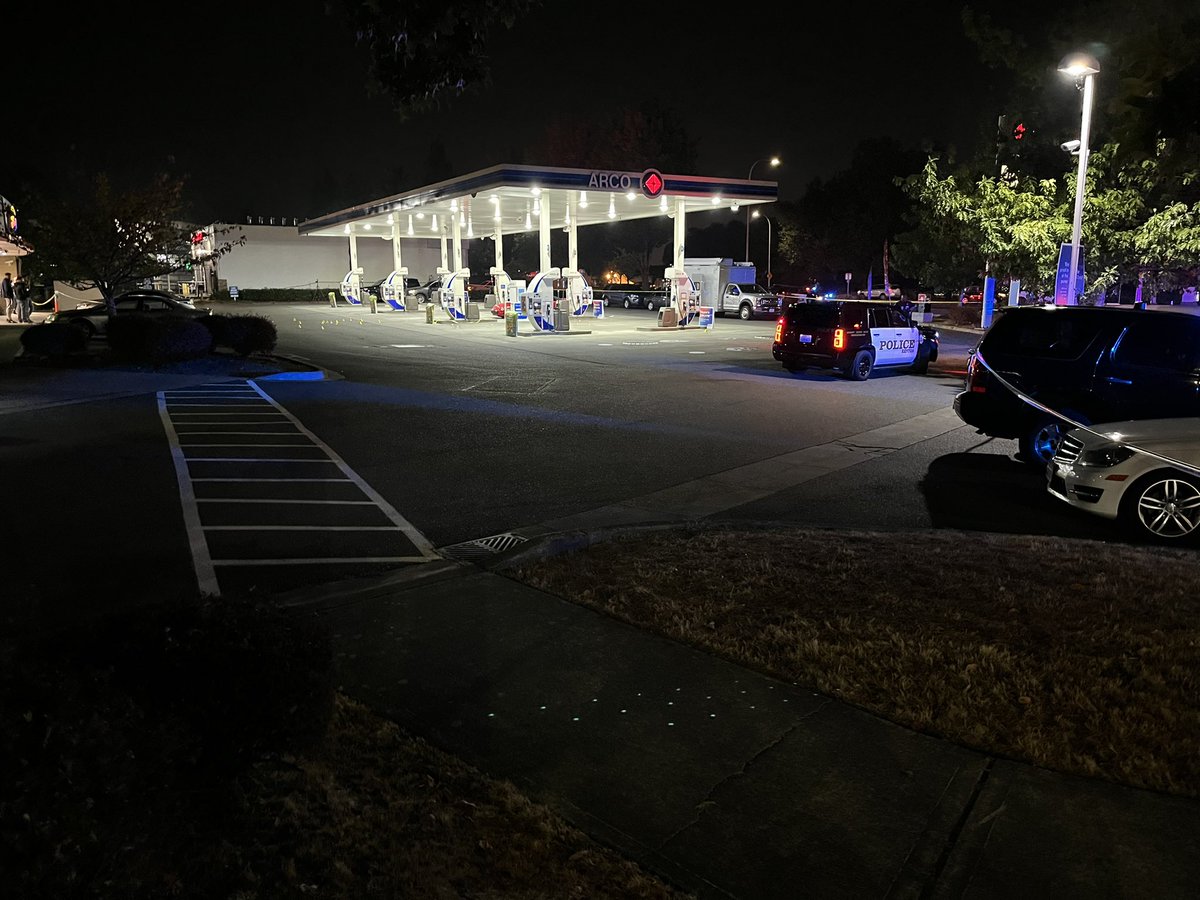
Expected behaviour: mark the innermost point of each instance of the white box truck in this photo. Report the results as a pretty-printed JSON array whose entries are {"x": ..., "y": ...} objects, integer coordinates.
[{"x": 732, "y": 287}]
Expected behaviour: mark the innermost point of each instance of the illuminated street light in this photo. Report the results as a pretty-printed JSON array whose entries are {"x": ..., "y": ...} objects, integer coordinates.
[
  {"x": 774, "y": 161},
  {"x": 1080, "y": 66}
]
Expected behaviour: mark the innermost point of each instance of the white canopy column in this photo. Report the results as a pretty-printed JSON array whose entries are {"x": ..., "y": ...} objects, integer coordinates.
[
  {"x": 442, "y": 235},
  {"x": 680, "y": 233},
  {"x": 544, "y": 262},
  {"x": 460, "y": 289},
  {"x": 572, "y": 237},
  {"x": 397, "y": 264},
  {"x": 498, "y": 238}
]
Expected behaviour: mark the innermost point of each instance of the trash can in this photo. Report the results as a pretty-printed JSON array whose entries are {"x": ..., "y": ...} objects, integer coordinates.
[
  {"x": 668, "y": 317},
  {"x": 472, "y": 311},
  {"x": 562, "y": 320},
  {"x": 510, "y": 323}
]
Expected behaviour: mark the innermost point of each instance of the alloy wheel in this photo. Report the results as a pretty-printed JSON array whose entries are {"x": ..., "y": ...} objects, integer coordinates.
[{"x": 1170, "y": 508}]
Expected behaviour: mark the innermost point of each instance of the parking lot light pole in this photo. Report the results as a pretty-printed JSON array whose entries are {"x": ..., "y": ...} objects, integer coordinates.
[
  {"x": 774, "y": 161},
  {"x": 1080, "y": 66},
  {"x": 768, "y": 218}
]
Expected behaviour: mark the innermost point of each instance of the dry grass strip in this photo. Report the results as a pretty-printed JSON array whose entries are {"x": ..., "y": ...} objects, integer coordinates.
[{"x": 1074, "y": 655}]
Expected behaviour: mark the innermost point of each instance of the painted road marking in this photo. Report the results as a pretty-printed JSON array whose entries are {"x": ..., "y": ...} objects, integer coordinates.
[{"x": 239, "y": 523}]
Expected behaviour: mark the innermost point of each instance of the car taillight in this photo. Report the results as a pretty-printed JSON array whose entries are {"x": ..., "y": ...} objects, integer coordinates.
[
  {"x": 839, "y": 339},
  {"x": 975, "y": 377},
  {"x": 779, "y": 331}
]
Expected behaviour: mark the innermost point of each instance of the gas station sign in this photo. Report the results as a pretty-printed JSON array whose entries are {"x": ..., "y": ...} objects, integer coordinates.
[{"x": 652, "y": 183}]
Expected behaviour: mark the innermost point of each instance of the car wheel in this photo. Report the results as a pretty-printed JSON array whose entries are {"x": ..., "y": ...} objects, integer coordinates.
[
  {"x": 1040, "y": 440},
  {"x": 1163, "y": 506},
  {"x": 650, "y": 305},
  {"x": 745, "y": 313},
  {"x": 860, "y": 368},
  {"x": 627, "y": 303},
  {"x": 85, "y": 326},
  {"x": 921, "y": 366}
]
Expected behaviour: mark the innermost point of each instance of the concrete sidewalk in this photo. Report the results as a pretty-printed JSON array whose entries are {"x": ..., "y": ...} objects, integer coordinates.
[{"x": 727, "y": 782}]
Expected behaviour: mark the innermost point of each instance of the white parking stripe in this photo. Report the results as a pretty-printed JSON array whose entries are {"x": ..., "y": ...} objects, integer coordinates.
[
  {"x": 216, "y": 420},
  {"x": 206, "y": 575}
]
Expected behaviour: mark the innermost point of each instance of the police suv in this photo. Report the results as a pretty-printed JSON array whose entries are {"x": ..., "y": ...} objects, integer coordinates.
[{"x": 853, "y": 337}]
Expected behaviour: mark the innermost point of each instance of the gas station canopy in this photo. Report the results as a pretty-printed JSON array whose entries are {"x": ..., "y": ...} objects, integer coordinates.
[{"x": 509, "y": 199}]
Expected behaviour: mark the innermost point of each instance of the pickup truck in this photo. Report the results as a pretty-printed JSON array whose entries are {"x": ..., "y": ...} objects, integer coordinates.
[{"x": 749, "y": 301}]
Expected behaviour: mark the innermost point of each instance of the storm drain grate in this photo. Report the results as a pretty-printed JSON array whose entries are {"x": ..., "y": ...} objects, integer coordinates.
[{"x": 481, "y": 547}]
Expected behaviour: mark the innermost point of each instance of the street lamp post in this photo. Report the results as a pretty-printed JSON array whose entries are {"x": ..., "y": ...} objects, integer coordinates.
[
  {"x": 1080, "y": 66},
  {"x": 774, "y": 161},
  {"x": 768, "y": 218}
]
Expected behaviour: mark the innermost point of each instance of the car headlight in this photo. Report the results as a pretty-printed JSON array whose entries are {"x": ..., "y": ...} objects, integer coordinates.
[{"x": 1105, "y": 457}]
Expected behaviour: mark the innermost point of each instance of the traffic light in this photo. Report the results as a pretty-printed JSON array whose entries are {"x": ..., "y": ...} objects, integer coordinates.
[{"x": 1019, "y": 131}]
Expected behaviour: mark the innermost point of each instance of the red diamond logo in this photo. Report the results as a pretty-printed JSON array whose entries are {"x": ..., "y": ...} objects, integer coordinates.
[{"x": 652, "y": 184}]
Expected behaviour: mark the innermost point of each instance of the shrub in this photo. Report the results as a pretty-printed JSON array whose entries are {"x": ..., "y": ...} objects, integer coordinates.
[
  {"x": 249, "y": 334},
  {"x": 158, "y": 340},
  {"x": 218, "y": 327},
  {"x": 178, "y": 339},
  {"x": 54, "y": 340},
  {"x": 129, "y": 336}
]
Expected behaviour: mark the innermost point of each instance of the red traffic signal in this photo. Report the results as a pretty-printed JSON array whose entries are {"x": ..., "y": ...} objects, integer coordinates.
[{"x": 1018, "y": 131}]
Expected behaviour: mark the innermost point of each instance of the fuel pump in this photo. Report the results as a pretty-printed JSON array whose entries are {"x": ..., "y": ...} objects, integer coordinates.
[
  {"x": 393, "y": 290},
  {"x": 540, "y": 298},
  {"x": 685, "y": 296},
  {"x": 349, "y": 288},
  {"x": 500, "y": 281},
  {"x": 454, "y": 292},
  {"x": 514, "y": 298},
  {"x": 578, "y": 293}
]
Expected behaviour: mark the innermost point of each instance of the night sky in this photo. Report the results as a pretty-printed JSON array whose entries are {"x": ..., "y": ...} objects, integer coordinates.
[{"x": 268, "y": 111}]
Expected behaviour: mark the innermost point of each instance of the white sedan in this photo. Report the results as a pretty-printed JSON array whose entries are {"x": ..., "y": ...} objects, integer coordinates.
[{"x": 1145, "y": 474}]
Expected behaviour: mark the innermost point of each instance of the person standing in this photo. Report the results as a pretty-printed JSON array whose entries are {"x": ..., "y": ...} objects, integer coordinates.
[
  {"x": 6, "y": 296},
  {"x": 23, "y": 300}
]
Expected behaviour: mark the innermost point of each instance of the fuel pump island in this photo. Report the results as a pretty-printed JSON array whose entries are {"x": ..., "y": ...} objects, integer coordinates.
[{"x": 511, "y": 199}]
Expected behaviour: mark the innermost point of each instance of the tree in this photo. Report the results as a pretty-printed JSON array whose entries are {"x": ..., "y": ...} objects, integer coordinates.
[
  {"x": 95, "y": 235},
  {"x": 842, "y": 224},
  {"x": 423, "y": 53},
  {"x": 1139, "y": 217},
  {"x": 1148, "y": 89}
]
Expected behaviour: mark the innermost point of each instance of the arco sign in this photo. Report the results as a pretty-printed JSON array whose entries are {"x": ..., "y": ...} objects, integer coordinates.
[{"x": 650, "y": 182}]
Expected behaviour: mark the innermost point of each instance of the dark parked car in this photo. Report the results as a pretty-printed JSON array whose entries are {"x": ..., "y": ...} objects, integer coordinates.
[
  {"x": 423, "y": 292},
  {"x": 853, "y": 337},
  {"x": 93, "y": 318},
  {"x": 376, "y": 288},
  {"x": 1087, "y": 364},
  {"x": 631, "y": 296}
]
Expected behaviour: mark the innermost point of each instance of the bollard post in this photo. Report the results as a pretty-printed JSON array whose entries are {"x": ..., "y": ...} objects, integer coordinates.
[
  {"x": 428, "y": 313},
  {"x": 333, "y": 299}
]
